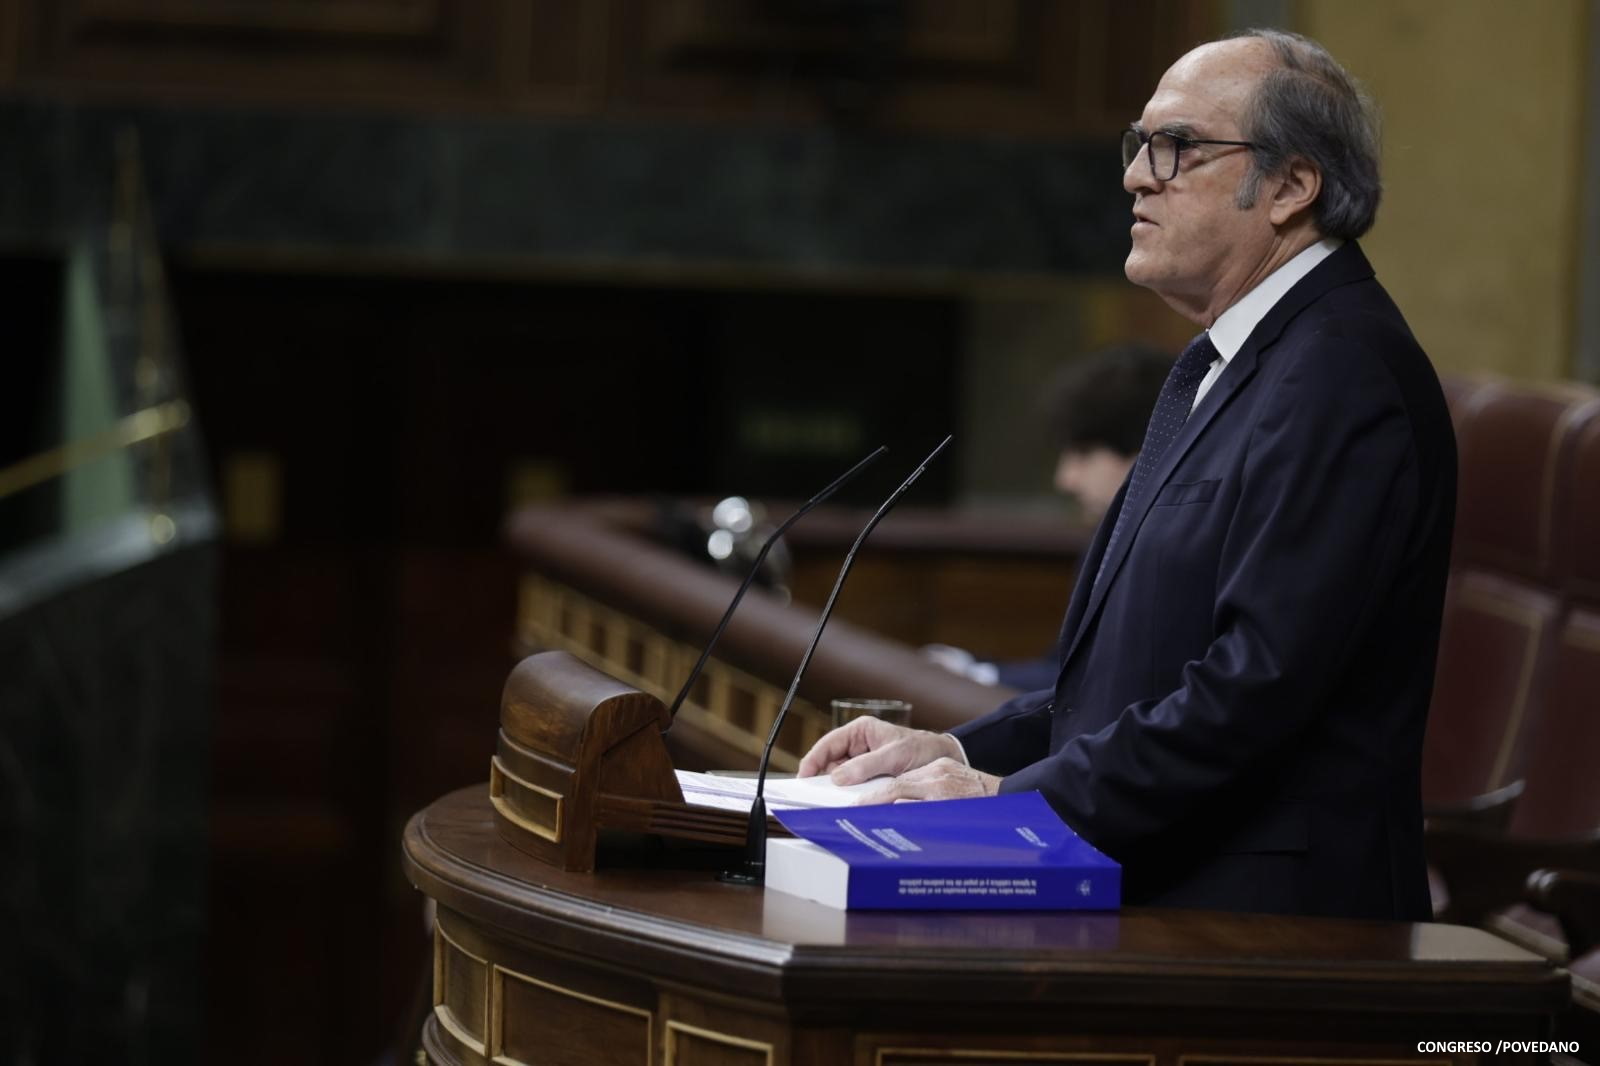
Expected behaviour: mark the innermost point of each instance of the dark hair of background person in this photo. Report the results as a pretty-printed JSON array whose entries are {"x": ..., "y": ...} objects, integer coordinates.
[
  {"x": 1311, "y": 108},
  {"x": 1105, "y": 398}
]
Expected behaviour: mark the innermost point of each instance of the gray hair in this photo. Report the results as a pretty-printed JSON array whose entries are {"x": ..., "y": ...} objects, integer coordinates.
[{"x": 1311, "y": 108}]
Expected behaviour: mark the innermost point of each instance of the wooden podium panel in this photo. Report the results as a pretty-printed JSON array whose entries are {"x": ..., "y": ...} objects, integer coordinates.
[{"x": 667, "y": 967}]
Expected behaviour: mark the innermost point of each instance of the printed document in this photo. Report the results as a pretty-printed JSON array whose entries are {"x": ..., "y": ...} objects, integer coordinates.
[{"x": 782, "y": 793}]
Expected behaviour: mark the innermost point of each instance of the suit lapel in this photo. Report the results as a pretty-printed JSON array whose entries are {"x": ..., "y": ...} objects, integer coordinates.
[
  {"x": 1087, "y": 567},
  {"x": 1344, "y": 266},
  {"x": 1240, "y": 369}
]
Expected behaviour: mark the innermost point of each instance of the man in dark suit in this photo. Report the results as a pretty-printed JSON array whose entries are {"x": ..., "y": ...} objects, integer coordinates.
[{"x": 1247, "y": 658}]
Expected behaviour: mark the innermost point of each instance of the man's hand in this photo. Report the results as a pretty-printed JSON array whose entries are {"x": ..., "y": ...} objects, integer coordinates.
[
  {"x": 941, "y": 779},
  {"x": 865, "y": 748}
]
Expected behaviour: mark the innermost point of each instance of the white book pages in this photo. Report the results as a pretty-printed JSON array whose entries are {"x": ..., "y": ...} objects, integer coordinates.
[
  {"x": 801, "y": 868},
  {"x": 782, "y": 793}
]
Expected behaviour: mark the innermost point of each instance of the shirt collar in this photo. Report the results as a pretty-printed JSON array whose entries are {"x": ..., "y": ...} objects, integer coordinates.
[{"x": 1234, "y": 326}]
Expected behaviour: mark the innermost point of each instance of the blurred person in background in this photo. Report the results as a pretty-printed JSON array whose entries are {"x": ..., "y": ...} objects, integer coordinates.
[{"x": 1098, "y": 408}]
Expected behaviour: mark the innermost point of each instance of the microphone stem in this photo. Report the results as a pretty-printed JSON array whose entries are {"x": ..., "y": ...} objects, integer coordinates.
[
  {"x": 753, "y": 870},
  {"x": 827, "y": 610}
]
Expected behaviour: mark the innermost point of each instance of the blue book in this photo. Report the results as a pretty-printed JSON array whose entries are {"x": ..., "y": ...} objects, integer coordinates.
[{"x": 1008, "y": 852}]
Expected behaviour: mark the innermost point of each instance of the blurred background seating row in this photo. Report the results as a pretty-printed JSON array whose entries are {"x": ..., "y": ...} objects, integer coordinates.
[
  {"x": 599, "y": 585},
  {"x": 1512, "y": 762}
]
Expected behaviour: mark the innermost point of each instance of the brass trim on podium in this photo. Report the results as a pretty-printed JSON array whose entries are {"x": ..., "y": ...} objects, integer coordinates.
[
  {"x": 497, "y": 993},
  {"x": 554, "y": 615},
  {"x": 968, "y": 1055},
  {"x": 442, "y": 1011},
  {"x": 499, "y": 776},
  {"x": 675, "y": 1027}
]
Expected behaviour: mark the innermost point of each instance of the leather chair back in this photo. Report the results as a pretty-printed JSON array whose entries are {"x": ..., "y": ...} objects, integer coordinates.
[
  {"x": 1561, "y": 797},
  {"x": 1504, "y": 602},
  {"x": 1562, "y": 793}
]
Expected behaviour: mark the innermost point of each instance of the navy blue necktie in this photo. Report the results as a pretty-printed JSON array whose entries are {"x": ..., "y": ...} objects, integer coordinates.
[{"x": 1172, "y": 407}]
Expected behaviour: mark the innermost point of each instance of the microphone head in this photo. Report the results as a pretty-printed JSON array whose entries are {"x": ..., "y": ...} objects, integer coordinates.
[{"x": 736, "y": 511}]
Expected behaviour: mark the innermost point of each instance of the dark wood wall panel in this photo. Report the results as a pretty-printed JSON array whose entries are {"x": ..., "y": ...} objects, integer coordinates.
[
  {"x": 558, "y": 55},
  {"x": 415, "y": 52},
  {"x": 8, "y": 42},
  {"x": 1008, "y": 66},
  {"x": 1028, "y": 67}
]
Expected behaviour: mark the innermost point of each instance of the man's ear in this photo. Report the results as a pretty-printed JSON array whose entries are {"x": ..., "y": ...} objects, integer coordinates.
[{"x": 1294, "y": 191}]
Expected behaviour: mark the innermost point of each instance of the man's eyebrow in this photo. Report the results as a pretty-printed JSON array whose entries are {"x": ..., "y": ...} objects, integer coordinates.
[{"x": 1179, "y": 129}]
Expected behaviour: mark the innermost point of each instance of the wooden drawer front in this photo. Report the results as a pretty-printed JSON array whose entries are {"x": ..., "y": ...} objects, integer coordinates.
[
  {"x": 545, "y": 1024},
  {"x": 691, "y": 1045},
  {"x": 460, "y": 992},
  {"x": 904, "y": 1056}
]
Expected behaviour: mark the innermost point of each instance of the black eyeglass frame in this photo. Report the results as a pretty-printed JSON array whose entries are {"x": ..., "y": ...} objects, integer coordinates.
[{"x": 1180, "y": 145}]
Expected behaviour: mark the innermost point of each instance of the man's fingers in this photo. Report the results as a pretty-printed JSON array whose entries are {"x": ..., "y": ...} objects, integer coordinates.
[
  {"x": 819, "y": 759},
  {"x": 907, "y": 788},
  {"x": 832, "y": 749},
  {"x": 865, "y": 767},
  {"x": 941, "y": 779},
  {"x": 911, "y": 785},
  {"x": 867, "y": 748},
  {"x": 887, "y": 794}
]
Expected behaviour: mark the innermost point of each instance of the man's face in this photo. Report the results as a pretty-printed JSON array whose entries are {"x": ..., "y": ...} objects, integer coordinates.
[
  {"x": 1192, "y": 244},
  {"x": 1093, "y": 476}
]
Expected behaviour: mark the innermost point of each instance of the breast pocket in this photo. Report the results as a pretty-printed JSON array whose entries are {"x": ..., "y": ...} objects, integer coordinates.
[{"x": 1178, "y": 493}]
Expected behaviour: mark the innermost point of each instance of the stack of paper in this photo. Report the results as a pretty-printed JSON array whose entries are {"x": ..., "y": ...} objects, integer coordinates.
[{"x": 781, "y": 793}]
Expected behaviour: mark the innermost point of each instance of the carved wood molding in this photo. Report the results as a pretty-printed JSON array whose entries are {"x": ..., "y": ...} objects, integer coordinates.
[
  {"x": 1028, "y": 67},
  {"x": 521, "y": 53},
  {"x": 9, "y": 42}
]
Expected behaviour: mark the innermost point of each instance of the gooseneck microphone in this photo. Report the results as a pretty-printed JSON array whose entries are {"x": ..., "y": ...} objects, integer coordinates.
[
  {"x": 761, "y": 556},
  {"x": 752, "y": 870}
]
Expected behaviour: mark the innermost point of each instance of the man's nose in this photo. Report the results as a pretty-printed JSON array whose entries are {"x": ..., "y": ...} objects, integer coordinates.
[{"x": 1137, "y": 176}]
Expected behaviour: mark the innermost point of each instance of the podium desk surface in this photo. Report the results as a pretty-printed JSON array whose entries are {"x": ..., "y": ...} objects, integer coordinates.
[{"x": 656, "y": 928}]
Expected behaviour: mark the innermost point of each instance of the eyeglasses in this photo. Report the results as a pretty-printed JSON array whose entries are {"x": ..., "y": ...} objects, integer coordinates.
[{"x": 1164, "y": 150}]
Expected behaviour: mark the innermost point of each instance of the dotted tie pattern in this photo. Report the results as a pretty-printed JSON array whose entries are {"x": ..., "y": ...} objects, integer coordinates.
[{"x": 1172, "y": 407}]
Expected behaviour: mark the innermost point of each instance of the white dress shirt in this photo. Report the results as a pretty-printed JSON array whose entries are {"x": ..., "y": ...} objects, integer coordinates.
[{"x": 1233, "y": 327}]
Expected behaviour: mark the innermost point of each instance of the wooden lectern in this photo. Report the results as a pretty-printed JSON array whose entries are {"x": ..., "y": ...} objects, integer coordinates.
[
  {"x": 579, "y": 754},
  {"x": 538, "y": 958},
  {"x": 651, "y": 966}
]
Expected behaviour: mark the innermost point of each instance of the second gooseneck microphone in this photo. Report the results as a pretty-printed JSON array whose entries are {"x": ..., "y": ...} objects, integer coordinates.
[{"x": 752, "y": 870}]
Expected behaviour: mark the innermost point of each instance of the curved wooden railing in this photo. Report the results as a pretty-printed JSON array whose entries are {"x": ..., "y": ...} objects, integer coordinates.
[{"x": 598, "y": 587}]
